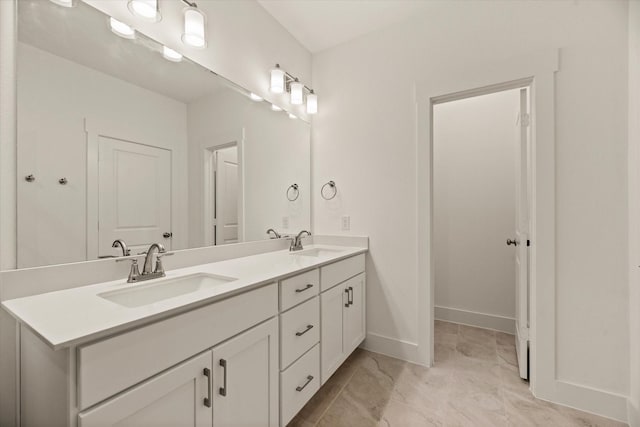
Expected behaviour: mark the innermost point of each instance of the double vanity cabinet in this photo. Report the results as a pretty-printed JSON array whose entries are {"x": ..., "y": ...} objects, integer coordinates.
[{"x": 250, "y": 359}]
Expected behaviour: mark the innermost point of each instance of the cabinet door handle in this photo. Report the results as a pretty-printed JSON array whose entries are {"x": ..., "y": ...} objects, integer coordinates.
[
  {"x": 309, "y": 286},
  {"x": 350, "y": 289},
  {"x": 301, "y": 387},
  {"x": 223, "y": 389},
  {"x": 346, "y": 291},
  {"x": 207, "y": 400},
  {"x": 299, "y": 334}
]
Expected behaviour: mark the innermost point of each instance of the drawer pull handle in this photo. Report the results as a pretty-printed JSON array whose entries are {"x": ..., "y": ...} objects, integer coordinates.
[
  {"x": 223, "y": 389},
  {"x": 309, "y": 327},
  {"x": 301, "y": 387},
  {"x": 346, "y": 291},
  {"x": 350, "y": 289},
  {"x": 207, "y": 400},
  {"x": 309, "y": 286}
]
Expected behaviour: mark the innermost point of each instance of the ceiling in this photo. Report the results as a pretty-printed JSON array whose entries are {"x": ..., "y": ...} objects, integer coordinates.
[{"x": 321, "y": 24}]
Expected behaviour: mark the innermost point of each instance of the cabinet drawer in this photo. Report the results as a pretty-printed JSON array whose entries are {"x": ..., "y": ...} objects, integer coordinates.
[
  {"x": 297, "y": 289},
  {"x": 298, "y": 384},
  {"x": 299, "y": 331},
  {"x": 340, "y": 271},
  {"x": 114, "y": 364}
]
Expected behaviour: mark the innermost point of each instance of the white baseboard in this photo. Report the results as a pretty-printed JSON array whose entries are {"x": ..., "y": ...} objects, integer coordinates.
[
  {"x": 472, "y": 318},
  {"x": 633, "y": 415},
  {"x": 393, "y": 347},
  {"x": 587, "y": 399}
]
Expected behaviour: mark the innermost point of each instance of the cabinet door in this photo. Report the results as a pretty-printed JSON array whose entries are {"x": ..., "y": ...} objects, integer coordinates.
[
  {"x": 246, "y": 380},
  {"x": 332, "y": 307},
  {"x": 354, "y": 313},
  {"x": 174, "y": 398}
]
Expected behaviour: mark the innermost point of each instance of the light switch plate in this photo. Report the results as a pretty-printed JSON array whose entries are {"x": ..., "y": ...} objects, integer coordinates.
[{"x": 346, "y": 223}]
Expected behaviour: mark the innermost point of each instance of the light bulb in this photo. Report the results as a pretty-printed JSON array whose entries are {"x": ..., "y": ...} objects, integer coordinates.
[
  {"x": 274, "y": 107},
  {"x": 255, "y": 97},
  {"x": 122, "y": 29},
  {"x": 296, "y": 92},
  {"x": 277, "y": 80},
  {"x": 171, "y": 55},
  {"x": 194, "y": 25},
  {"x": 146, "y": 9},
  {"x": 64, "y": 3},
  {"x": 312, "y": 103}
]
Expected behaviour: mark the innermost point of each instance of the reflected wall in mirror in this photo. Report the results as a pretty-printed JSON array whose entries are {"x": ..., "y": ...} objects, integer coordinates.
[{"x": 117, "y": 142}]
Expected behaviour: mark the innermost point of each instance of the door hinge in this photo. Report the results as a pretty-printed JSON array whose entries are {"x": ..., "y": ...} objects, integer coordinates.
[
  {"x": 215, "y": 221},
  {"x": 528, "y": 242},
  {"x": 526, "y": 119}
]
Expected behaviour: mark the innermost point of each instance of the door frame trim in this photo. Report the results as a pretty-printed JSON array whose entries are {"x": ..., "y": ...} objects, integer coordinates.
[
  {"x": 221, "y": 140},
  {"x": 539, "y": 69}
]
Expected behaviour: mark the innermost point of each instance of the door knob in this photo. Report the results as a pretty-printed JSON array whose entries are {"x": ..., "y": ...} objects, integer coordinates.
[
  {"x": 512, "y": 242},
  {"x": 167, "y": 235}
]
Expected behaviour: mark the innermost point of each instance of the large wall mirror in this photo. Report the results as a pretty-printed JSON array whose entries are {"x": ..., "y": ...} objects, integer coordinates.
[{"x": 115, "y": 141}]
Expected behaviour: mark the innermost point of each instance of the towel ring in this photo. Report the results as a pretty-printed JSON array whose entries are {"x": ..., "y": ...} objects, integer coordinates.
[
  {"x": 293, "y": 187},
  {"x": 331, "y": 185}
]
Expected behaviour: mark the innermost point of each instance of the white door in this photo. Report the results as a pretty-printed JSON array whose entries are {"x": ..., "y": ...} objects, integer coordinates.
[
  {"x": 522, "y": 235},
  {"x": 354, "y": 317},
  {"x": 226, "y": 197},
  {"x": 134, "y": 191},
  {"x": 246, "y": 380},
  {"x": 174, "y": 398}
]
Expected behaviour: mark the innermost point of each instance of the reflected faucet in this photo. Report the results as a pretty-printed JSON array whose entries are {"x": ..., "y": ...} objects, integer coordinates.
[
  {"x": 296, "y": 243},
  {"x": 119, "y": 243},
  {"x": 276, "y": 235}
]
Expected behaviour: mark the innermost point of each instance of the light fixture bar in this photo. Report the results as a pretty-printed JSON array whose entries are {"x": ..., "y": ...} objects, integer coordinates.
[{"x": 190, "y": 3}]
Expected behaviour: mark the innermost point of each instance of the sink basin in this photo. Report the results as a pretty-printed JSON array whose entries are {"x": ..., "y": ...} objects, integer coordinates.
[
  {"x": 148, "y": 293},
  {"x": 317, "y": 252}
]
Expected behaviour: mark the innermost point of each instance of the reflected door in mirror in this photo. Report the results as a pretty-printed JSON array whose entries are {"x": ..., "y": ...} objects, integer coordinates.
[
  {"x": 226, "y": 196},
  {"x": 134, "y": 195}
]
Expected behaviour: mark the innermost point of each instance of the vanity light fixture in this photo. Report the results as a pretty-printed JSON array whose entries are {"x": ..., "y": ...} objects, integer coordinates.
[
  {"x": 296, "y": 89},
  {"x": 122, "y": 29},
  {"x": 146, "y": 9},
  {"x": 281, "y": 82},
  {"x": 255, "y": 97},
  {"x": 170, "y": 54},
  {"x": 194, "y": 26},
  {"x": 64, "y": 3},
  {"x": 277, "y": 79},
  {"x": 274, "y": 107},
  {"x": 312, "y": 103}
]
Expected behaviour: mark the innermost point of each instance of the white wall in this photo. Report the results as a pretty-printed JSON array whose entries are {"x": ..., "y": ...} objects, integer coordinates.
[
  {"x": 474, "y": 209},
  {"x": 634, "y": 213},
  {"x": 365, "y": 134},
  {"x": 275, "y": 154},
  {"x": 55, "y": 98}
]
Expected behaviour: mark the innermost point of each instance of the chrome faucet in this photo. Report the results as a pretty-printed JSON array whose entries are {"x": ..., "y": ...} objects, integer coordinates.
[
  {"x": 296, "y": 242},
  {"x": 148, "y": 272},
  {"x": 148, "y": 260},
  {"x": 276, "y": 235},
  {"x": 119, "y": 243}
]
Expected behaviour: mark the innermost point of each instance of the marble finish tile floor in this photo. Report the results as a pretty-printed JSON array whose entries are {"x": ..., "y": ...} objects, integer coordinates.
[{"x": 474, "y": 382}]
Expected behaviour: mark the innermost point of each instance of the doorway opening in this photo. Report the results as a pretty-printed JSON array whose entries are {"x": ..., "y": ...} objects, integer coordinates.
[
  {"x": 223, "y": 195},
  {"x": 481, "y": 205}
]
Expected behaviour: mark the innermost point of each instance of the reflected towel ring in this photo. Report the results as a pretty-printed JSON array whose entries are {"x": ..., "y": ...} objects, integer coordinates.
[
  {"x": 293, "y": 187},
  {"x": 332, "y": 185}
]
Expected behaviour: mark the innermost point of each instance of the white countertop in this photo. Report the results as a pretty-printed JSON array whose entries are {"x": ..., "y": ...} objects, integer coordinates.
[{"x": 78, "y": 315}]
